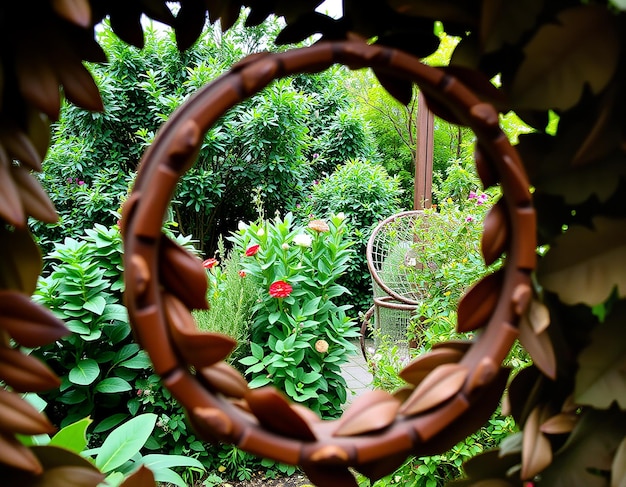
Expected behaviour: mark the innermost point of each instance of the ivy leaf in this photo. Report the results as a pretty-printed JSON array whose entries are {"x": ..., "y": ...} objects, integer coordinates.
[
  {"x": 585, "y": 265},
  {"x": 600, "y": 377},
  {"x": 589, "y": 449},
  {"x": 582, "y": 47}
]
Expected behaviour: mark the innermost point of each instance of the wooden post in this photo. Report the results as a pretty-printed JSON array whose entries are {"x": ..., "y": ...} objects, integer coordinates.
[{"x": 422, "y": 197}]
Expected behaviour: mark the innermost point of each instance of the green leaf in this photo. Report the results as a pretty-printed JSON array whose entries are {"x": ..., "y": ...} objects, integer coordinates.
[
  {"x": 72, "y": 437},
  {"x": 259, "y": 381},
  {"x": 113, "y": 385},
  {"x": 115, "y": 312},
  {"x": 586, "y": 265},
  {"x": 96, "y": 304},
  {"x": 257, "y": 351},
  {"x": 124, "y": 442},
  {"x": 139, "y": 361},
  {"x": 156, "y": 462},
  {"x": 84, "y": 372},
  {"x": 600, "y": 376},
  {"x": 110, "y": 422}
]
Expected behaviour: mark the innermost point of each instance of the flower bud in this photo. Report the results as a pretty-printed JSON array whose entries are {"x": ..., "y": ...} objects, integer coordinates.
[{"x": 321, "y": 346}]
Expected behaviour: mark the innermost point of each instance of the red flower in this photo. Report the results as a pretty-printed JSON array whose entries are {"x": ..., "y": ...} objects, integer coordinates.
[
  {"x": 252, "y": 250},
  {"x": 210, "y": 263},
  {"x": 280, "y": 289},
  {"x": 242, "y": 273}
]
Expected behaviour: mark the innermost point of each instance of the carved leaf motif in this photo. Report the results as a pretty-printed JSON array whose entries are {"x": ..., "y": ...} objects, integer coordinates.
[
  {"x": 30, "y": 324},
  {"x": 585, "y": 265},
  {"x": 495, "y": 234},
  {"x": 200, "y": 349},
  {"x": 76, "y": 11},
  {"x": 618, "y": 472},
  {"x": 18, "y": 416},
  {"x": 329, "y": 476},
  {"x": 25, "y": 373},
  {"x": 21, "y": 265},
  {"x": 590, "y": 448},
  {"x": 14, "y": 454},
  {"x": 34, "y": 199},
  {"x": 142, "y": 477},
  {"x": 503, "y": 22},
  {"x": 225, "y": 379},
  {"x": 559, "y": 424},
  {"x": 419, "y": 368},
  {"x": 275, "y": 413},
  {"x": 440, "y": 385},
  {"x": 486, "y": 466},
  {"x": 536, "y": 449},
  {"x": 539, "y": 346},
  {"x": 601, "y": 366},
  {"x": 11, "y": 208},
  {"x": 370, "y": 412},
  {"x": 444, "y": 10},
  {"x": 183, "y": 275},
  {"x": 582, "y": 47},
  {"x": 478, "y": 304}
]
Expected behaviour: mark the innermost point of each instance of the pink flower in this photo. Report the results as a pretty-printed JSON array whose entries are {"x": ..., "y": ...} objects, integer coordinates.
[
  {"x": 482, "y": 198},
  {"x": 280, "y": 289},
  {"x": 210, "y": 263},
  {"x": 80, "y": 183},
  {"x": 469, "y": 219},
  {"x": 472, "y": 195},
  {"x": 252, "y": 250},
  {"x": 242, "y": 273}
]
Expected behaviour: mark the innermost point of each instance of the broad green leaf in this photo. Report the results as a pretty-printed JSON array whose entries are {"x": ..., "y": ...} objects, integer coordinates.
[
  {"x": 72, "y": 437},
  {"x": 110, "y": 422},
  {"x": 169, "y": 476},
  {"x": 600, "y": 376},
  {"x": 96, "y": 304},
  {"x": 139, "y": 361},
  {"x": 259, "y": 381},
  {"x": 115, "y": 312},
  {"x": 157, "y": 461},
  {"x": 124, "y": 442},
  {"x": 84, "y": 372},
  {"x": 113, "y": 385},
  {"x": 586, "y": 265},
  {"x": 582, "y": 47}
]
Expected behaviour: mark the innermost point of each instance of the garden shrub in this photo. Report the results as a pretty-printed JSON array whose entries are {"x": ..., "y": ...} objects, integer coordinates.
[
  {"x": 365, "y": 192},
  {"x": 299, "y": 336}
]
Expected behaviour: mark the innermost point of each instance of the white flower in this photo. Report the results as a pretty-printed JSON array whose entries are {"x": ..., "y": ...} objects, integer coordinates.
[
  {"x": 242, "y": 226},
  {"x": 303, "y": 240},
  {"x": 260, "y": 232},
  {"x": 341, "y": 216},
  {"x": 285, "y": 246}
]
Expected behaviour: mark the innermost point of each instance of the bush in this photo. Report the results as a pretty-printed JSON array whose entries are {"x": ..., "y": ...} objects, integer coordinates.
[
  {"x": 365, "y": 193},
  {"x": 299, "y": 336}
]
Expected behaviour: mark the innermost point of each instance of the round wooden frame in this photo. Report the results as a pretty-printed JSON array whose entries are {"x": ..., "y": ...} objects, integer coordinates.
[{"x": 451, "y": 391}]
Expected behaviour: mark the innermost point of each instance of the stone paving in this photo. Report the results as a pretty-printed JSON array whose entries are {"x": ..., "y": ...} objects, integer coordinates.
[{"x": 357, "y": 375}]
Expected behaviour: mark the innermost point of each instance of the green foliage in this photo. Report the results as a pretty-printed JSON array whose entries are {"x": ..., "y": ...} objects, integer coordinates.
[
  {"x": 365, "y": 193},
  {"x": 231, "y": 297},
  {"x": 300, "y": 336}
]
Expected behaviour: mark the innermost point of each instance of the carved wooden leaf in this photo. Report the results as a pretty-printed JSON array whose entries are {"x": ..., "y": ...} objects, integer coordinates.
[
  {"x": 600, "y": 376},
  {"x": 419, "y": 368},
  {"x": 444, "y": 10},
  {"x": 11, "y": 208},
  {"x": 18, "y": 416},
  {"x": 225, "y": 379},
  {"x": 76, "y": 11},
  {"x": 536, "y": 449},
  {"x": 183, "y": 275},
  {"x": 21, "y": 265},
  {"x": 495, "y": 234},
  {"x": 14, "y": 454},
  {"x": 30, "y": 324},
  {"x": 370, "y": 412},
  {"x": 20, "y": 147},
  {"x": 35, "y": 201},
  {"x": 478, "y": 304},
  {"x": 78, "y": 85},
  {"x": 24, "y": 373},
  {"x": 503, "y": 22},
  {"x": 199, "y": 348},
  {"x": 142, "y": 477},
  {"x": 582, "y": 47},
  {"x": 539, "y": 346},
  {"x": 559, "y": 424},
  {"x": 585, "y": 265},
  {"x": 589, "y": 449},
  {"x": 440, "y": 385},
  {"x": 618, "y": 470},
  {"x": 330, "y": 476},
  {"x": 275, "y": 413}
]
